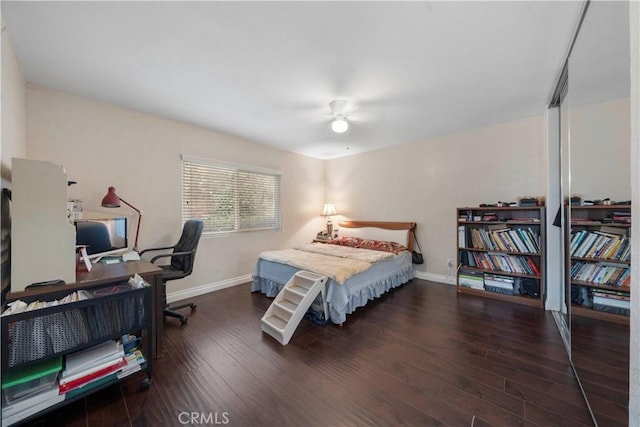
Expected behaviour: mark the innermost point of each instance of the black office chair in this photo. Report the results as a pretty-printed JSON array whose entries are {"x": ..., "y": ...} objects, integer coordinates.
[
  {"x": 94, "y": 235},
  {"x": 182, "y": 259}
]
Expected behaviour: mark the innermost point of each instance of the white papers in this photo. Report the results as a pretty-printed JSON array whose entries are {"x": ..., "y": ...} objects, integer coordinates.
[
  {"x": 22, "y": 409},
  {"x": 83, "y": 361}
]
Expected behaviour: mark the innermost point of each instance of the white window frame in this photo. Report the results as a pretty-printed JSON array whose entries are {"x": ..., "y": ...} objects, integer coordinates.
[{"x": 210, "y": 227}]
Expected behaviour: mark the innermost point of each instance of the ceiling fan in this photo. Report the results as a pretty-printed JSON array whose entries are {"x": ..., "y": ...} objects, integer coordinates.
[{"x": 339, "y": 113}]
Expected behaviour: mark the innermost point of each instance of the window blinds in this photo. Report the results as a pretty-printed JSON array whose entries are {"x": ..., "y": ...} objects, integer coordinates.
[{"x": 230, "y": 198}]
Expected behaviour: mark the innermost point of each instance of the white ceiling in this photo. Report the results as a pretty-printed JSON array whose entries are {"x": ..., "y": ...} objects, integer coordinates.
[{"x": 267, "y": 71}]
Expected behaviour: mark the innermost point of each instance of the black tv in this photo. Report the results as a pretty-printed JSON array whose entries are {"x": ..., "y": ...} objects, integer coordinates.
[{"x": 102, "y": 236}]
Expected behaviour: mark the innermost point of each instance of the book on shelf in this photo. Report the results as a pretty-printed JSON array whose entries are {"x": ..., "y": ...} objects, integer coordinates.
[
  {"x": 502, "y": 238},
  {"x": 576, "y": 240},
  {"x": 126, "y": 371},
  {"x": 19, "y": 405},
  {"x": 499, "y": 284},
  {"x": 496, "y": 261},
  {"x": 532, "y": 220},
  {"x": 599, "y": 244},
  {"x": 104, "y": 365},
  {"x": 611, "y": 250},
  {"x": 82, "y": 362},
  {"x": 134, "y": 361},
  {"x": 473, "y": 284},
  {"x": 489, "y": 216},
  {"x": 613, "y": 230},
  {"x": 477, "y": 275},
  {"x": 586, "y": 245},
  {"x": 505, "y": 282},
  {"x": 622, "y": 214},
  {"x": 518, "y": 240},
  {"x": 475, "y": 281},
  {"x": 612, "y": 300},
  {"x": 601, "y": 273},
  {"x": 90, "y": 386},
  {"x": 462, "y": 236},
  {"x": 91, "y": 377},
  {"x": 24, "y": 408}
]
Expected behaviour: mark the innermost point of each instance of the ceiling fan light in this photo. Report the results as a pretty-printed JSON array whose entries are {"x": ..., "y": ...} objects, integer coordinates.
[{"x": 339, "y": 125}]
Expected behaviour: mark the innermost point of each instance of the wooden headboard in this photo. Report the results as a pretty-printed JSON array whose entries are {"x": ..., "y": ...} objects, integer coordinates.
[{"x": 407, "y": 227}]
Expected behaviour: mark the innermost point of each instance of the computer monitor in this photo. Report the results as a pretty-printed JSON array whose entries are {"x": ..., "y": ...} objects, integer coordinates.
[{"x": 102, "y": 236}]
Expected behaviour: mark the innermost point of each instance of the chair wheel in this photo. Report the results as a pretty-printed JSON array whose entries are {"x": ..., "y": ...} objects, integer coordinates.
[
  {"x": 184, "y": 320},
  {"x": 193, "y": 306},
  {"x": 145, "y": 384}
]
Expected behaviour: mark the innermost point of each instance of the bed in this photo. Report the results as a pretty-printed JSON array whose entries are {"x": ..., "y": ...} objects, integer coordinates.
[{"x": 344, "y": 296}]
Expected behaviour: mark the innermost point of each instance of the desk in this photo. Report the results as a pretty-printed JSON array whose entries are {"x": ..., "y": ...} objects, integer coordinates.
[{"x": 108, "y": 273}]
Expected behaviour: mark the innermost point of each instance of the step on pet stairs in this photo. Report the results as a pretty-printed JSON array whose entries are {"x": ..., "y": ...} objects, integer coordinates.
[{"x": 290, "y": 305}]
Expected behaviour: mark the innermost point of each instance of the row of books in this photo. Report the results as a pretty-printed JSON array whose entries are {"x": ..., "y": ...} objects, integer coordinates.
[
  {"x": 623, "y": 217},
  {"x": 478, "y": 280},
  {"x": 612, "y": 301},
  {"x": 34, "y": 388},
  {"x": 497, "y": 283},
  {"x": 500, "y": 262},
  {"x": 93, "y": 364},
  {"x": 606, "y": 243},
  {"x": 471, "y": 278},
  {"x": 602, "y": 274},
  {"x": 500, "y": 284},
  {"x": 501, "y": 238}
]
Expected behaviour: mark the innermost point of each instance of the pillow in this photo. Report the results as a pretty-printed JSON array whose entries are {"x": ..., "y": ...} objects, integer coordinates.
[
  {"x": 375, "y": 245},
  {"x": 351, "y": 242},
  {"x": 381, "y": 245}
]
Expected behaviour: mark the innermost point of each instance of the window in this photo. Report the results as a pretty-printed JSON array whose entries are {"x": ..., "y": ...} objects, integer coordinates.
[{"x": 228, "y": 197}]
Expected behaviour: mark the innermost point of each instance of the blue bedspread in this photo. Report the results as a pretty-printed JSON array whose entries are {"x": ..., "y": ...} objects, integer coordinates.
[{"x": 269, "y": 278}]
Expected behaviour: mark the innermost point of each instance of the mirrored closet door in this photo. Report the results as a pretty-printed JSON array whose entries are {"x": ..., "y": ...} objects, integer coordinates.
[{"x": 598, "y": 210}]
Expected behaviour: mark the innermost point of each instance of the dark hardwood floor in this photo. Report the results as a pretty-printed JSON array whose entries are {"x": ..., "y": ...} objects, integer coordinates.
[
  {"x": 420, "y": 355},
  {"x": 600, "y": 352}
]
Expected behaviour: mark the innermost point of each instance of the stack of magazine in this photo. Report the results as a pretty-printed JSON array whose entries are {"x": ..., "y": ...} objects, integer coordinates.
[
  {"x": 98, "y": 365},
  {"x": 84, "y": 367}
]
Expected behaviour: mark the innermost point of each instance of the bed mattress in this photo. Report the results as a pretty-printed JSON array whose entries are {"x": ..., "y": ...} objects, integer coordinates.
[{"x": 269, "y": 277}]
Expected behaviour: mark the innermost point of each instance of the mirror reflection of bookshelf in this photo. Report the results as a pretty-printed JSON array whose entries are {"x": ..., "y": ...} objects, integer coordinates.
[{"x": 600, "y": 251}]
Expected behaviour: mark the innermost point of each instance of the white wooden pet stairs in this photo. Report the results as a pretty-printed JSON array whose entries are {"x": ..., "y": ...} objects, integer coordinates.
[{"x": 290, "y": 305}]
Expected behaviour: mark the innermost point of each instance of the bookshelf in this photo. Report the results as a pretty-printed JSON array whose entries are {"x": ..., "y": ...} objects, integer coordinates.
[
  {"x": 53, "y": 333},
  {"x": 599, "y": 252},
  {"x": 500, "y": 253}
]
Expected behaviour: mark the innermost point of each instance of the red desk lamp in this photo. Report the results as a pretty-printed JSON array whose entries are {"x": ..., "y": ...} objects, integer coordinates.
[{"x": 111, "y": 200}]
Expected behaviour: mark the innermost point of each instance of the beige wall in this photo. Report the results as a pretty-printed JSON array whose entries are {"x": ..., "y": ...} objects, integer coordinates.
[
  {"x": 425, "y": 182},
  {"x": 13, "y": 142},
  {"x": 101, "y": 145},
  {"x": 599, "y": 141}
]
